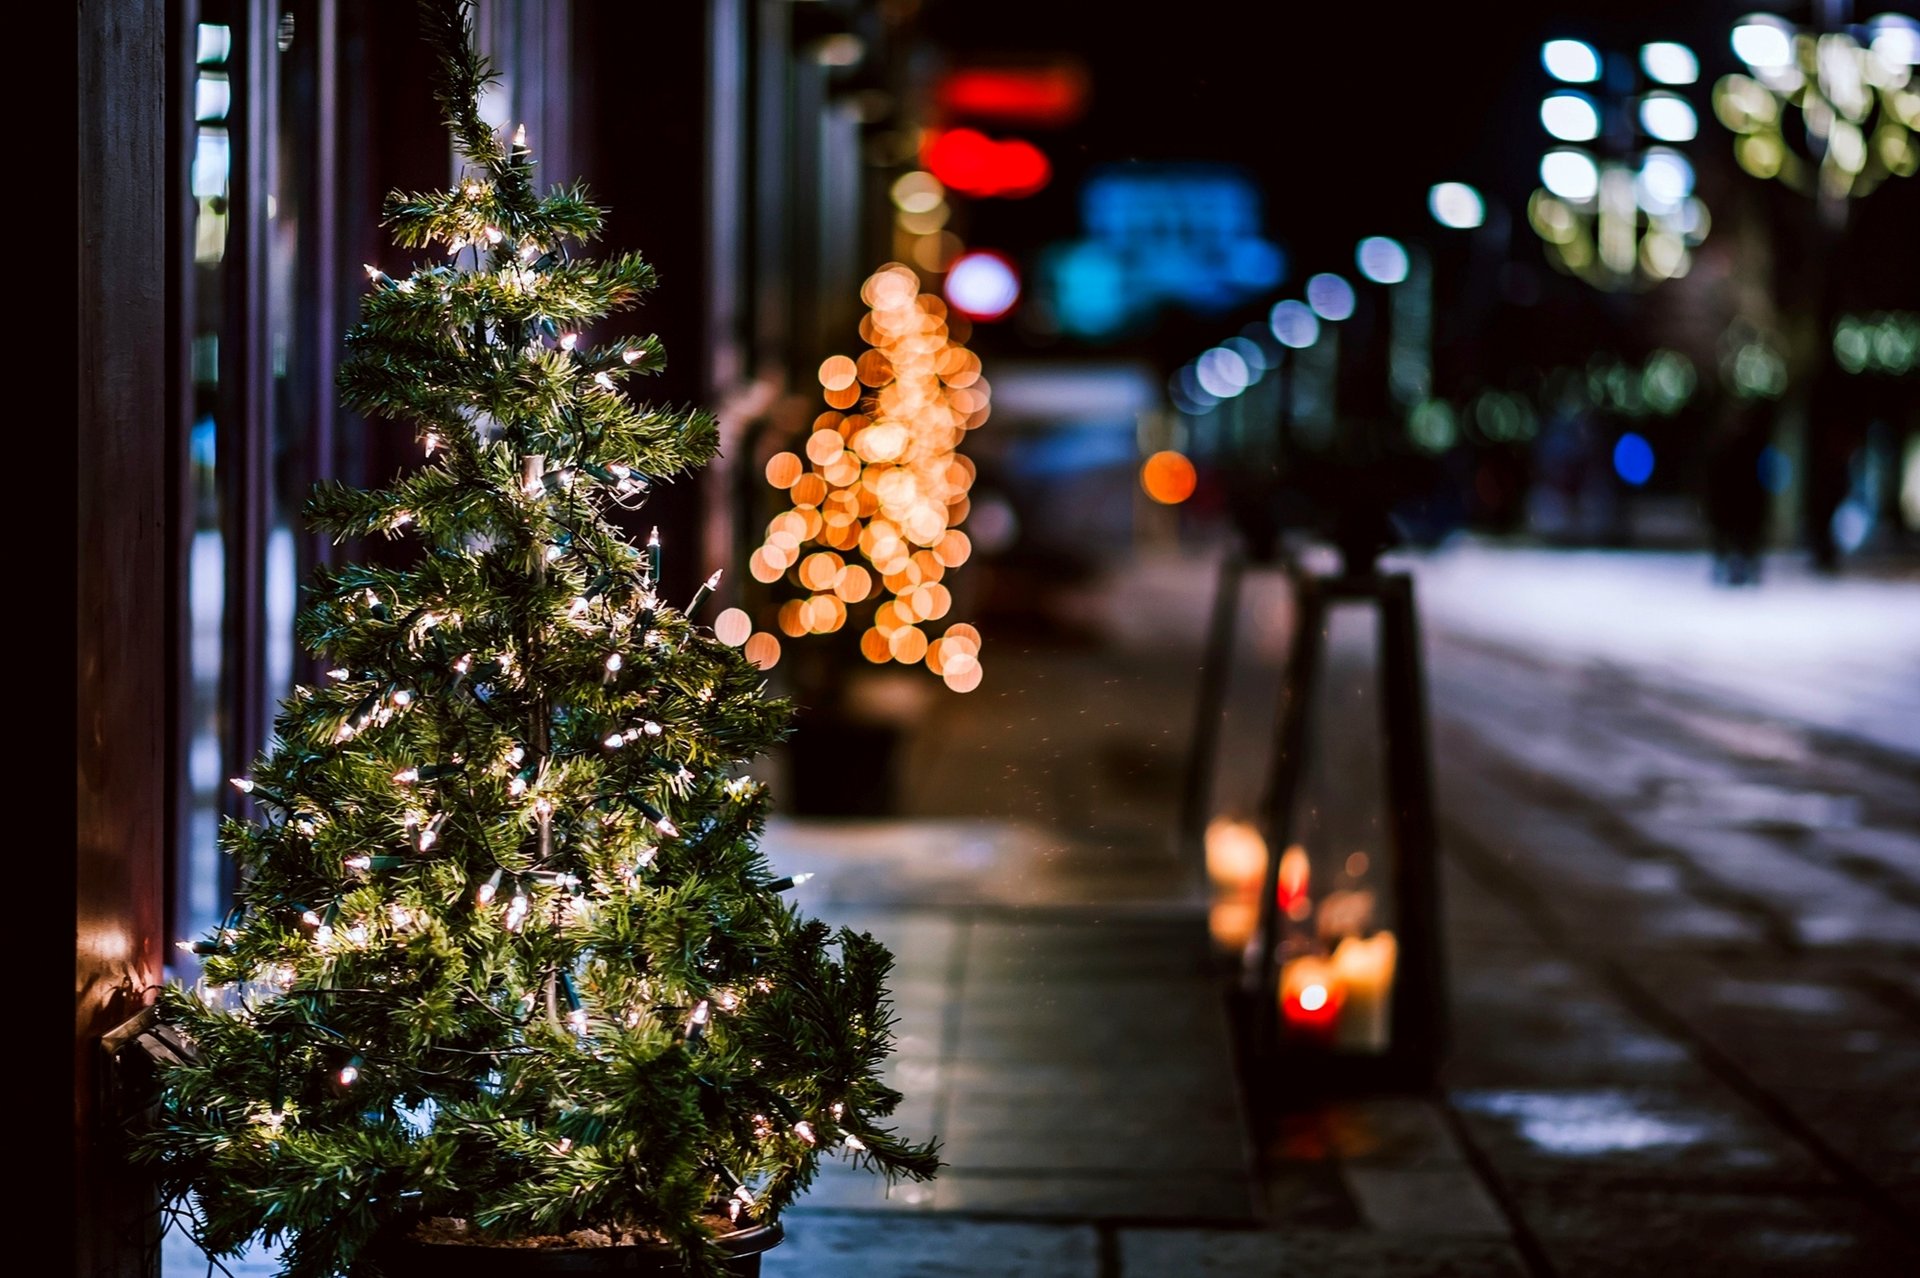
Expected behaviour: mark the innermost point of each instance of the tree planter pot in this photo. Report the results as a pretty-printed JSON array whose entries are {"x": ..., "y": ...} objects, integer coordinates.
[{"x": 408, "y": 1259}]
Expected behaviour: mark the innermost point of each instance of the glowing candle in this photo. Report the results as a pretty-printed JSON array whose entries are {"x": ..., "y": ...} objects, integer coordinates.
[
  {"x": 1236, "y": 854},
  {"x": 1294, "y": 873},
  {"x": 1364, "y": 967},
  {"x": 1311, "y": 996}
]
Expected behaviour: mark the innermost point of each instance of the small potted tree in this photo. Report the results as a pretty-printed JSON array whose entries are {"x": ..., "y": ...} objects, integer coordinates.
[{"x": 509, "y": 988}]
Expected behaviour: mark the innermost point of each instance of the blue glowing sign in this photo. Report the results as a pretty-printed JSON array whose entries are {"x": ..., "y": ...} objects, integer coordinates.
[{"x": 1185, "y": 235}]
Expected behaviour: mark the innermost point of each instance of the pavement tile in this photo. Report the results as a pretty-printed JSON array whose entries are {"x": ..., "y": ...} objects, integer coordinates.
[
  {"x": 1401, "y": 1131},
  {"x": 908, "y": 1246},
  {"x": 1591, "y": 1231},
  {"x": 1195, "y": 1253},
  {"x": 1439, "y": 1201},
  {"x": 1153, "y": 1195}
]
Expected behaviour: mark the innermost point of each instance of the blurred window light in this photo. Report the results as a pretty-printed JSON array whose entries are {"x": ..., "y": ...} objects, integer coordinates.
[
  {"x": 982, "y": 285},
  {"x": 213, "y": 41},
  {"x": 1633, "y": 459},
  {"x": 1330, "y": 297},
  {"x": 1456, "y": 205},
  {"x": 1222, "y": 373},
  {"x": 1666, "y": 62},
  {"x": 1666, "y": 179},
  {"x": 1669, "y": 117},
  {"x": 1570, "y": 174},
  {"x": 1294, "y": 324},
  {"x": 212, "y": 98},
  {"x": 1571, "y": 117},
  {"x": 1762, "y": 40},
  {"x": 918, "y": 192},
  {"x": 1257, "y": 357},
  {"x": 1895, "y": 40},
  {"x": 1381, "y": 260},
  {"x": 1571, "y": 61},
  {"x": 1187, "y": 392}
]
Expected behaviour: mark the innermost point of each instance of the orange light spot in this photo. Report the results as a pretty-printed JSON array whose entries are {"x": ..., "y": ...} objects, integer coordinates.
[
  {"x": 783, "y": 469},
  {"x": 1168, "y": 478},
  {"x": 763, "y": 650},
  {"x": 732, "y": 627},
  {"x": 837, "y": 372}
]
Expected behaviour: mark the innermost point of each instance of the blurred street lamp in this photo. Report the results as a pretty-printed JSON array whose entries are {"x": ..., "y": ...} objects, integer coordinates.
[
  {"x": 1853, "y": 85},
  {"x": 1456, "y": 206},
  {"x": 1626, "y": 218}
]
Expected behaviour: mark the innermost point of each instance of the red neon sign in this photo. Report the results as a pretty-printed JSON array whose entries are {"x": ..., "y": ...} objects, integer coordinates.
[{"x": 972, "y": 163}]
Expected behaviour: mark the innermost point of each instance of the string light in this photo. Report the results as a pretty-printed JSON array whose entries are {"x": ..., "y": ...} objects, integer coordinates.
[
  {"x": 613, "y": 662},
  {"x": 407, "y": 776},
  {"x": 791, "y": 881},
  {"x": 242, "y": 784},
  {"x": 603, "y": 381},
  {"x": 487, "y": 890},
  {"x": 632, "y": 355},
  {"x": 804, "y": 1130},
  {"x": 854, "y": 1143},
  {"x": 403, "y": 697},
  {"x": 350, "y": 1072},
  {"x": 882, "y": 476},
  {"x": 517, "y": 909},
  {"x": 707, "y": 587},
  {"x": 338, "y": 672},
  {"x": 569, "y": 340}
]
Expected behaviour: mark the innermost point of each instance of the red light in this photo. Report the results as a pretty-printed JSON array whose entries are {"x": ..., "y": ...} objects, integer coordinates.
[
  {"x": 1045, "y": 97},
  {"x": 970, "y": 162}
]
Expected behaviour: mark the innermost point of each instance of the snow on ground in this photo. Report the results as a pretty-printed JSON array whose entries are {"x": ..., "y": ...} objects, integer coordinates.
[{"x": 1838, "y": 654}]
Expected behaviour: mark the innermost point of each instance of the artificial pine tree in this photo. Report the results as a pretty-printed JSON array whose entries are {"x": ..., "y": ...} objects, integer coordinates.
[{"x": 505, "y": 951}]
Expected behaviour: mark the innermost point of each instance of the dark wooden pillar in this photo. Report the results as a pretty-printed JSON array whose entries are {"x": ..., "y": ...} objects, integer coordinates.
[{"x": 120, "y": 656}]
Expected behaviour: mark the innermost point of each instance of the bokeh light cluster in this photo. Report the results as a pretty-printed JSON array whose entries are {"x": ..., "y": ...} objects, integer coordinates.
[{"x": 880, "y": 489}]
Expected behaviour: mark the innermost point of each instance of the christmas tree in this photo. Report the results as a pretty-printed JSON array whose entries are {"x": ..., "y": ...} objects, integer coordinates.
[{"x": 505, "y": 951}]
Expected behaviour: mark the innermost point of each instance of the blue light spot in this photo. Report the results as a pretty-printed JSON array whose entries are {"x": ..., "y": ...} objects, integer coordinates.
[
  {"x": 1633, "y": 459},
  {"x": 1776, "y": 472}
]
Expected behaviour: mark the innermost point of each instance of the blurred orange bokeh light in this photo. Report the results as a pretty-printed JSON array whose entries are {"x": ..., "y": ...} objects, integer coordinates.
[{"x": 1168, "y": 478}]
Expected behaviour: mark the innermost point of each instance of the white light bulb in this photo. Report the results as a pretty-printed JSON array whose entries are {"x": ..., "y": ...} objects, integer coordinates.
[
  {"x": 667, "y": 828},
  {"x": 407, "y": 776},
  {"x": 517, "y": 786},
  {"x": 702, "y": 1012},
  {"x": 855, "y": 1143},
  {"x": 578, "y": 608},
  {"x": 348, "y": 1075},
  {"x": 804, "y": 1130},
  {"x": 428, "y": 838},
  {"x": 360, "y": 863},
  {"x": 603, "y": 381},
  {"x": 464, "y": 664},
  {"x": 577, "y": 1020},
  {"x": 632, "y": 355},
  {"x": 613, "y": 661},
  {"x": 310, "y": 918},
  {"x": 516, "y": 754},
  {"x": 486, "y": 893},
  {"x": 569, "y": 340},
  {"x": 338, "y": 672},
  {"x": 615, "y": 741},
  {"x": 402, "y": 519},
  {"x": 651, "y": 728},
  {"x": 495, "y": 235},
  {"x": 402, "y": 697}
]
